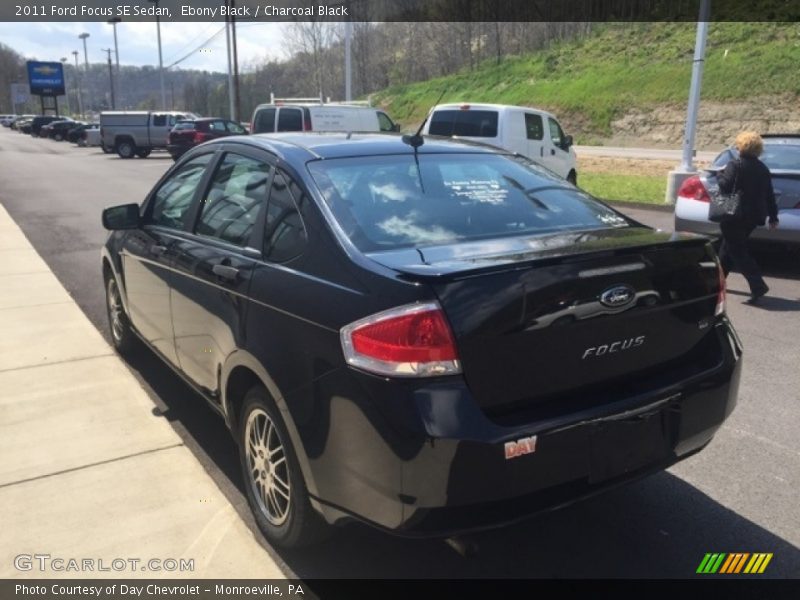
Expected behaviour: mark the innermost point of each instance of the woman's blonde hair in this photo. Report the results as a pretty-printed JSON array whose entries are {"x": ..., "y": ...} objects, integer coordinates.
[{"x": 749, "y": 143}]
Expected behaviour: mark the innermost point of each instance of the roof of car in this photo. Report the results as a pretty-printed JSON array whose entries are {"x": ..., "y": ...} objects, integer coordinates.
[{"x": 340, "y": 145}]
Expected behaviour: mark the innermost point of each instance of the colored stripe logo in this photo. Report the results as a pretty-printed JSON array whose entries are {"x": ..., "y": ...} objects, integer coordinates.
[{"x": 734, "y": 563}]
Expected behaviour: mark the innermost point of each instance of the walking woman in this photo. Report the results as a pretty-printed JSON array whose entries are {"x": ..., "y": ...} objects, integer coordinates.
[{"x": 752, "y": 178}]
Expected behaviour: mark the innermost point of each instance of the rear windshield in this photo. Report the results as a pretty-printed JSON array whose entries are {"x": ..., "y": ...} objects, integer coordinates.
[
  {"x": 184, "y": 125},
  {"x": 385, "y": 202},
  {"x": 466, "y": 123},
  {"x": 779, "y": 156}
]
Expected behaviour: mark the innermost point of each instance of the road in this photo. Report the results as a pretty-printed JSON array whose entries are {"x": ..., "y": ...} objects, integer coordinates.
[
  {"x": 739, "y": 494},
  {"x": 648, "y": 153}
]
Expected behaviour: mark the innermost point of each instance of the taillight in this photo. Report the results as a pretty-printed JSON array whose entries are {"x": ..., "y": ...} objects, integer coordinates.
[
  {"x": 200, "y": 137},
  {"x": 306, "y": 124},
  {"x": 694, "y": 189},
  {"x": 720, "y": 307},
  {"x": 409, "y": 341}
]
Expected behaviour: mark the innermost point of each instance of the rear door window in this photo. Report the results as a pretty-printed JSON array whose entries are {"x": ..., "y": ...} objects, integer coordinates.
[
  {"x": 237, "y": 193},
  {"x": 159, "y": 120},
  {"x": 217, "y": 126},
  {"x": 285, "y": 235},
  {"x": 264, "y": 121},
  {"x": 465, "y": 123},
  {"x": 290, "y": 119}
]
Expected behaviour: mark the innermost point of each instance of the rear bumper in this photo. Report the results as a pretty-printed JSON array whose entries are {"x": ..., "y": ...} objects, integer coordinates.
[
  {"x": 433, "y": 464},
  {"x": 693, "y": 221}
]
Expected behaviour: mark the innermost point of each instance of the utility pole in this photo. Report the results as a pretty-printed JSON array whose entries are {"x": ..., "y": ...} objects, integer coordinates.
[
  {"x": 78, "y": 84},
  {"x": 348, "y": 37},
  {"x": 232, "y": 107},
  {"x": 686, "y": 168},
  {"x": 64, "y": 60},
  {"x": 113, "y": 22},
  {"x": 236, "y": 97},
  {"x": 83, "y": 37},
  {"x": 111, "y": 78},
  {"x": 160, "y": 58}
]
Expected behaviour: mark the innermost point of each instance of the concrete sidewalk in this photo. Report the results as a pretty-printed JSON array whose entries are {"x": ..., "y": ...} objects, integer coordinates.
[{"x": 87, "y": 471}]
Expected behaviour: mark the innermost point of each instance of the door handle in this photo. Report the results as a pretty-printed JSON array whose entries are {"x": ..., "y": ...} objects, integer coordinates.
[
  {"x": 158, "y": 250},
  {"x": 225, "y": 272}
]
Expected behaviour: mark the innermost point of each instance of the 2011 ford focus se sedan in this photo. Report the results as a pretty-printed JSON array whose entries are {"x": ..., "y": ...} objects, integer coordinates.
[{"x": 430, "y": 336}]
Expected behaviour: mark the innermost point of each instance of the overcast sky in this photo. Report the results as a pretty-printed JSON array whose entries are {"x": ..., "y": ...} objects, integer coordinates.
[{"x": 138, "y": 43}]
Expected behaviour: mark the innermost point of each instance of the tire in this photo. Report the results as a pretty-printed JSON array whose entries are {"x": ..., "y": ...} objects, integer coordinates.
[
  {"x": 58, "y": 137},
  {"x": 143, "y": 152},
  {"x": 126, "y": 149},
  {"x": 572, "y": 177},
  {"x": 104, "y": 148},
  {"x": 122, "y": 336},
  {"x": 276, "y": 491}
]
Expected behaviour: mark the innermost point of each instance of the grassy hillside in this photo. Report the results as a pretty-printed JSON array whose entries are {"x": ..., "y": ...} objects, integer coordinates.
[{"x": 618, "y": 67}]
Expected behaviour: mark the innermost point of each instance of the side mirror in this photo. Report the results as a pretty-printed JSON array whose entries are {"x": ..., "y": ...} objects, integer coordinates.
[
  {"x": 567, "y": 142},
  {"x": 125, "y": 216}
]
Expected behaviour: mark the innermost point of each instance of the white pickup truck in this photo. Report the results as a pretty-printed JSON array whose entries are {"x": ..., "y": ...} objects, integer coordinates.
[
  {"x": 531, "y": 132},
  {"x": 137, "y": 133}
]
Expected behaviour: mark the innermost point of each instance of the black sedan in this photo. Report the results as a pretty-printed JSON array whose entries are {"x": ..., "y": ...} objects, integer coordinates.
[
  {"x": 58, "y": 130},
  {"x": 191, "y": 132},
  {"x": 75, "y": 134},
  {"x": 429, "y": 336}
]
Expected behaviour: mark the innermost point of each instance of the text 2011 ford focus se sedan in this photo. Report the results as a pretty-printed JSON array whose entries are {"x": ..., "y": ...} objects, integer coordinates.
[{"x": 426, "y": 335}]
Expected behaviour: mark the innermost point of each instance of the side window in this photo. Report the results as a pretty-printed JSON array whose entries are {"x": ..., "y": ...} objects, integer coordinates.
[
  {"x": 290, "y": 119},
  {"x": 384, "y": 122},
  {"x": 285, "y": 235},
  {"x": 173, "y": 199},
  {"x": 555, "y": 132},
  {"x": 534, "y": 126},
  {"x": 159, "y": 120},
  {"x": 172, "y": 119},
  {"x": 217, "y": 126},
  {"x": 237, "y": 193}
]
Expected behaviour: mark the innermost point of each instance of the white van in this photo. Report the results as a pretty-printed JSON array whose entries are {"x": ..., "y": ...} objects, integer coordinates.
[
  {"x": 271, "y": 118},
  {"x": 530, "y": 132}
]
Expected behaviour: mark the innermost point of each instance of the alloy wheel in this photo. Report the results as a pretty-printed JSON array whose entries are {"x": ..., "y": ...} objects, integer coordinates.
[
  {"x": 115, "y": 311},
  {"x": 268, "y": 467}
]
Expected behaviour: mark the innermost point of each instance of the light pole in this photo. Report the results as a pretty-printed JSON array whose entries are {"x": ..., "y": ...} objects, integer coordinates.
[
  {"x": 78, "y": 82},
  {"x": 83, "y": 37},
  {"x": 64, "y": 60},
  {"x": 110, "y": 78},
  {"x": 160, "y": 59},
  {"x": 113, "y": 22},
  {"x": 348, "y": 36},
  {"x": 686, "y": 169}
]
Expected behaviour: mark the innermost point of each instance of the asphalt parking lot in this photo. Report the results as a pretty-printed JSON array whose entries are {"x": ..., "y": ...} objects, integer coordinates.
[{"x": 739, "y": 495}]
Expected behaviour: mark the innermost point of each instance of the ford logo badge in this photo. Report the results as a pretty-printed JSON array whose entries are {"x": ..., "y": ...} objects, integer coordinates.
[{"x": 618, "y": 296}]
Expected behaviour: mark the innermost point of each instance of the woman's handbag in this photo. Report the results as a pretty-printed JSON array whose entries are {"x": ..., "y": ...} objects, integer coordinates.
[{"x": 725, "y": 207}]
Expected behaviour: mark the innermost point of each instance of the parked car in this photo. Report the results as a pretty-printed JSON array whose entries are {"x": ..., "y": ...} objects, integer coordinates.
[
  {"x": 40, "y": 121},
  {"x": 75, "y": 134},
  {"x": 531, "y": 132},
  {"x": 23, "y": 125},
  {"x": 782, "y": 156},
  {"x": 18, "y": 119},
  {"x": 285, "y": 117},
  {"x": 190, "y": 133},
  {"x": 137, "y": 133},
  {"x": 58, "y": 130},
  {"x": 363, "y": 312},
  {"x": 91, "y": 138},
  {"x": 6, "y": 120}
]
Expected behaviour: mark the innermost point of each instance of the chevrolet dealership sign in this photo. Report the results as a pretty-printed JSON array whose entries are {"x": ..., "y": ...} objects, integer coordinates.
[{"x": 46, "y": 78}]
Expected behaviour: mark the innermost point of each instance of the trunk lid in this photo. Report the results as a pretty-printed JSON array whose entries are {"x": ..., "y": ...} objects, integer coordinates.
[{"x": 551, "y": 322}]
